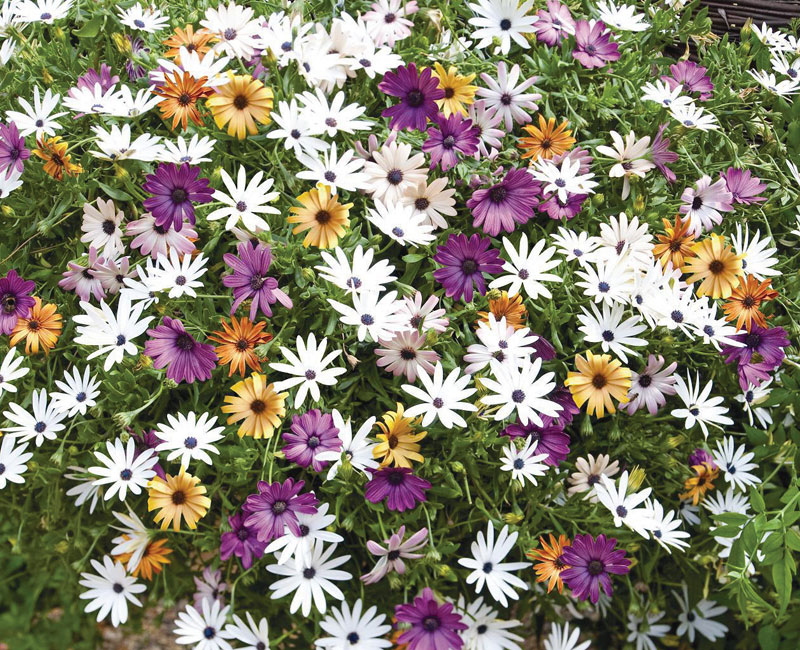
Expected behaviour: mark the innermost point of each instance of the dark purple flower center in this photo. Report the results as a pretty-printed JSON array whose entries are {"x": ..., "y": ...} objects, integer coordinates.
[
  {"x": 505, "y": 24},
  {"x": 752, "y": 340},
  {"x": 518, "y": 396},
  {"x": 505, "y": 99},
  {"x": 645, "y": 380},
  {"x": 395, "y": 177},
  {"x": 393, "y": 555},
  {"x": 487, "y": 567},
  {"x": 9, "y": 303},
  {"x": 523, "y": 274},
  {"x": 603, "y": 287},
  {"x": 178, "y": 498},
  {"x": 330, "y": 122},
  {"x": 396, "y": 478},
  {"x": 190, "y": 442},
  {"x": 697, "y": 203},
  {"x": 329, "y": 176},
  {"x": 229, "y": 34},
  {"x": 243, "y": 534},
  {"x": 313, "y": 442},
  {"x": 2, "y": 469},
  {"x": 365, "y": 63},
  {"x": 109, "y": 227},
  {"x": 677, "y": 316},
  {"x": 595, "y": 568},
  {"x": 304, "y": 530},
  {"x": 256, "y": 282},
  {"x": 415, "y": 98},
  {"x": 279, "y": 507},
  {"x": 593, "y": 479},
  {"x": 126, "y": 474},
  {"x": 241, "y": 206},
  {"x": 257, "y": 406},
  {"x": 179, "y": 195},
  {"x": 310, "y": 375},
  {"x": 367, "y": 319},
  {"x": 39, "y": 427},
  {"x": 449, "y": 142},
  {"x": 309, "y": 573},
  {"x": 608, "y": 335},
  {"x": 322, "y": 217},
  {"x": 469, "y": 266},
  {"x": 118, "y": 588},
  {"x": 185, "y": 342},
  {"x": 352, "y": 638},
  {"x": 519, "y": 463},
  {"x": 622, "y": 511},
  {"x": 209, "y": 633},
  {"x": 591, "y": 49},
  {"x": 431, "y": 623},
  {"x": 408, "y": 354},
  {"x": 481, "y": 629},
  {"x": 295, "y": 134},
  {"x": 422, "y": 204},
  {"x": 80, "y": 397},
  {"x": 438, "y": 402}
]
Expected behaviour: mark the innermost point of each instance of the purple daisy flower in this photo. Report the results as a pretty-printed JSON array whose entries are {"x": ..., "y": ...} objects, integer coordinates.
[
  {"x": 557, "y": 209},
  {"x": 249, "y": 279},
  {"x": 92, "y": 77},
  {"x": 543, "y": 349},
  {"x": 171, "y": 346},
  {"x": 761, "y": 353},
  {"x": 312, "y": 433},
  {"x": 145, "y": 440},
  {"x": 276, "y": 506},
  {"x": 591, "y": 561},
  {"x": 551, "y": 437},
  {"x": 433, "y": 626},
  {"x": 562, "y": 396},
  {"x": 554, "y": 23},
  {"x": 465, "y": 261},
  {"x": 502, "y": 206},
  {"x": 661, "y": 155},
  {"x": 593, "y": 45},
  {"x": 85, "y": 280},
  {"x": 13, "y": 153},
  {"x": 700, "y": 456},
  {"x": 241, "y": 541},
  {"x": 174, "y": 189},
  {"x": 136, "y": 71},
  {"x": 691, "y": 77},
  {"x": 398, "y": 485},
  {"x": 583, "y": 156},
  {"x": 744, "y": 186},
  {"x": 451, "y": 136},
  {"x": 418, "y": 93},
  {"x": 15, "y": 300}
]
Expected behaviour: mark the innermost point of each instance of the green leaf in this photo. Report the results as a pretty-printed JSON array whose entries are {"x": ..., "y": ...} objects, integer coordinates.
[
  {"x": 114, "y": 193},
  {"x": 732, "y": 518},
  {"x": 90, "y": 29},
  {"x": 782, "y": 577},
  {"x": 756, "y": 500},
  {"x": 768, "y": 638},
  {"x": 793, "y": 540}
]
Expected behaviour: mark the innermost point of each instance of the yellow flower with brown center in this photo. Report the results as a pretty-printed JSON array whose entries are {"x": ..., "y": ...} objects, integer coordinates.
[
  {"x": 599, "y": 379},
  {"x": 240, "y": 103},
  {"x": 257, "y": 403},
  {"x": 193, "y": 41},
  {"x": 57, "y": 161},
  {"x": 510, "y": 307},
  {"x": 398, "y": 444},
  {"x": 154, "y": 556},
  {"x": 716, "y": 265},
  {"x": 179, "y": 497},
  {"x": 703, "y": 481},
  {"x": 180, "y": 98},
  {"x": 676, "y": 245},
  {"x": 551, "y": 563},
  {"x": 744, "y": 305},
  {"x": 458, "y": 90},
  {"x": 322, "y": 215},
  {"x": 41, "y": 329},
  {"x": 238, "y": 341},
  {"x": 547, "y": 140}
]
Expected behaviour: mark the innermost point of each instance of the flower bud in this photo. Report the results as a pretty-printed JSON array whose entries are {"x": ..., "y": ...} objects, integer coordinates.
[
  {"x": 513, "y": 518},
  {"x": 639, "y": 204},
  {"x": 636, "y": 478}
]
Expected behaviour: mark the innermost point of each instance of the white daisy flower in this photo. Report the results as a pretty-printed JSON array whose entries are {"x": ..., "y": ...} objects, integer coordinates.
[
  {"x": 441, "y": 397},
  {"x": 42, "y": 423},
  {"x": 334, "y": 117},
  {"x": 354, "y": 629},
  {"x": 189, "y": 437},
  {"x": 205, "y": 629},
  {"x": 505, "y": 20},
  {"x": 357, "y": 449},
  {"x": 371, "y": 313},
  {"x": 522, "y": 390},
  {"x": 109, "y": 590},
  {"x": 122, "y": 469},
  {"x": 245, "y": 201},
  {"x": 358, "y": 275},
  {"x": 180, "y": 276},
  {"x": 735, "y": 464},
  {"x": 623, "y": 506},
  {"x": 101, "y": 227},
  {"x": 255, "y": 637},
  {"x": 10, "y": 370},
  {"x": 12, "y": 461},
  {"x": 700, "y": 408},
  {"x": 38, "y": 118},
  {"x": 78, "y": 392},
  {"x": 401, "y": 222},
  {"x": 312, "y": 527},
  {"x": 524, "y": 464},
  {"x": 193, "y": 152},
  {"x": 527, "y": 270},
  {"x": 309, "y": 367},
  {"x": 608, "y": 329},
  {"x": 144, "y": 19}
]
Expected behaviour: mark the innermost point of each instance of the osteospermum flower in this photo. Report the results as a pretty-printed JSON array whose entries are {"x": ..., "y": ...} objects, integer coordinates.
[
  {"x": 277, "y": 505},
  {"x": 399, "y": 440},
  {"x": 401, "y": 489},
  {"x": 237, "y": 344},
  {"x": 15, "y": 300},
  {"x": 598, "y": 380},
  {"x": 593, "y": 45},
  {"x": 173, "y": 348},
  {"x": 322, "y": 215},
  {"x": 744, "y": 305},
  {"x": 13, "y": 152},
  {"x": 40, "y": 329},
  {"x": 57, "y": 161},
  {"x": 188, "y": 38},
  {"x": 392, "y": 555},
  {"x": 152, "y": 561},
  {"x": 109, "y": 590},
  {"x": 250, "y": 281},
  {"x": 433, "y": 626},
  {"x": 402, "y": 354},
  {"x": 257, "y": 403},
  {"x": 180, "y": 95},
  {"x": 175, "y": 189},
  {"x": 547, "y": 140},
  {"x": 458, "y": 90},
  {"x": 465, "y": 261},
  {"x": 716, "y": 266},
  {"x": 676, "y": 244},
  {"x": 591, "y": 564},
  {"x": 510, "y": 307},
  {"x": 241, "y": 541},
  {"x": 551, "y": 562},
  {"x": 703, "y": 481},
  {"x": 312, "y": 433},
  {"x": 418, "y": 92},
  {"x": 505, "y": 205},
  {"x": 450, "y": 137},
  {"x": 554, "y": 23},
  {"x": 178, "y": 497},
  {"x": 704, "y": 203},
  {"x": 239, "y": 104}
]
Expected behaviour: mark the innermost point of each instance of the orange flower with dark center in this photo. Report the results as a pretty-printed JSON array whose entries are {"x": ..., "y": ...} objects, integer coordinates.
[
  {"x": 745, "y": 303},
  {"x": 238, "y": 342},
  {"x": 193, "y": 41},
  {"x": 676, "y": 245},
  {"x": 155, "y": 555},
  {"x": 697, "y": 486},
  {"x": 509, "y": 306},
  {"x": 180, "y": 98},
  {"x": 551, "y": 563},
  {"x": 546, "y": 141},
  {"x": 41, "y": 328},
  {"x": 57, "y": 161}
]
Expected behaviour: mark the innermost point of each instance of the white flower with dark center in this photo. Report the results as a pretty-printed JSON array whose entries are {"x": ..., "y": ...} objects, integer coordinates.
[
  {"x": 116, "y": 145},
  {"x": 700, "y": 408},
  {"x": 576, "y": 245},
  {"x": 393, "y": 172},
  {"x": 12, "y": 461},
  {"x": 145, "y": 19},
  {"x": 126, "y": 104},
  {"x": 38, "y": 118},
  {"x": 441, "y": 397},
  {"x": 356, "y": 449},
  {"x": 101, "y": 227},
  {"x": 563, "y": 179},
  {"x": 10, "y": 370},
  {"x": 590, "y": 471},
  {"x": 500, "y": 345},
  {"x": 735, "y": 464},
  {"x": 211, "y": 65},
  {"x": 43, "y": 423},
  {"x": 78, "y": 392},
  {"x": 189, "y": 437},
  {"x": 782, "y": 65},
  {"x": 354, "y": 629},
  {"x": 193, "y": 152},
  {"x": 750, "y": 400},
  {"x": 85, "y": 490},
  {"x": 782, "y": 88},
  {"x": 422, "y": 316},
  {"x": 371, "y": 313},
  {"x": 235, "y": 28},
  {"x": 623, "y": 506},
  {"x": 295, "y": 130},
  {"x": 358, "y": 275},
  {"x": 338, "y": 173},
  {"x": 485, "y": 629},
  {"x": 608, "y": 329},
  {"x": 527, "y": 270},
  {"x": 688, "y": 512},
  {"x": 489, "y": 569},
  {"x": 694, "y": 117},
  {"x": 626, "y": 239},
  {"x": 433, "y": 200},
  {"x": 697, "y": 619},
  {"x": 506, "y": 98},
  {"x": 109, "y": 590},
  {"x": 42, "y": 11},
  {"x": 680, "y": 310},
  {"x": 661, "y": 93},
  {"x": 145, "y": 287},
  {"x": 524, "y": 463},
  {"x": 712, "y": 327},
  {"x": 403, "y": 354},
  {"x": 650, "y": 385},
  {"x": 309, "y": 367},
  {"x": 644, "y": 629},
  {"x": 560, "y": 638},
  {"x": 180, "y": 276},
  {"x": 134, "y": 539},
  {"x": 631, "y": 158},
  {"x": 622, "y": 17},
  {"x": 122, "y": 469},
  {"x": 521, "y": 390},
  {"x": 759, "y": 260},
  {"x": 245, "y": 201},
  {"x": 401, "y": 222},
  {"x": 96, "y": 100},
  {"x": 204, "y": 629},
  {"x": 333, "y": 118},
  {"x": 312, "y": 527},
  {"x": 505, "y": 20},
  {"x": 665, "y": 527},
  {"x": 255, "y": 637}
]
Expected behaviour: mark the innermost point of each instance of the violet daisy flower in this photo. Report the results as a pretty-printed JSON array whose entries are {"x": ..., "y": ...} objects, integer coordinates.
[
  {"x": 92, "y": 77},
  {"x": 241, "y": 541},
  {"x": 761, "y": 352},
  {"x": 13, "y": 152},
  {"x": 703, "y": 204},
  {"x": 275, "y": 506},
  {"x": 418, "y": 93},
  {"x": 558, "y": 209},
  {"x": 591, "y": 561},
  {"x": 250, "y": 280},
  {"x": 174, "y": 190},
  {"x": 543, "y": 349},
  {"x": 744, "y": 186},
  {"x": 392, "y": 555},
  {"x": 554, "y": 23},
  {"x": 700, "y": 456},
  {"x": 171, "y": 346},
  {"x": 311, "y": 434},
  {"x": 551, "y": 437},
  {"x": 451, "y": 136},
  {"x": 562, "y": 396},
  {"x": 85, "y": 280},
  {"x": 15, "y": 300},
  {"x": 691, "y": 77},
  {"x": 593, "y": 45},
  {"x": 145, "y": 440},
  {"x": 502, "y": 206},
  {"x": 398, "y": 485},
  {"x": 649, "y": 387},
  {"x": 464, "y": 263},
  {"x": 583, "y": 156},
  {"x": 661, "y": 155},
  {"x": 135, "y": 70},
  {"x": 433, "y": 626}
]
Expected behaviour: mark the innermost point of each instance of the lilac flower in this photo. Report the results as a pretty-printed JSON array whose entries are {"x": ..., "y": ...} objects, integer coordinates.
[
  {"x": 210, "y": 588},
  {"x": 593, "y": 45},
  {"x": 15, "y": 300},
  {"x": 392, "y": 554},
  {"x": 433, "y": 626},
  {"x": 562, "y": 396},
  {"x": 551, "y": 438},
  {"x": 554, "y": 23},
  {"x": 275, "y": 506},
  {"x": 464, "y": 263},
  {"x": 250, "y": 280},
  {"x": 691, "y": 77},
  {"x": 504, "y": 205},
  {"x": 174, "y": 190},
  {"x": 85, "y": 280},
  {"x": 144, "y": 441},
  {"x": 13, "y": 152},
  {"x": 761, "y": 353},
  {"x": 418, "y": 93},
  {"x": 700, "y": 456},
  {"x": 744, "y": 186},
  {"x": 135, "y": 71},
  {"x": 543, "y": 349},
  {"x": 591, "y": 562},
  {"x": 451, "y": 136},
  {"x": 92, "y": 77},
  {"x": 312, "y": 433},
  {"x": 241, "y": 541},
  {"x": 704, "y": 203},
  {"x": 171, "y": 346},
  {"x": 373, "y": 145},
  {"x": 583, "y": 156},
  {"x": 558, "y": 209},
  {"x": 398, "y": 485},
  {"x": 649, "y": 387},
  {"x": 661, "y": 155}
]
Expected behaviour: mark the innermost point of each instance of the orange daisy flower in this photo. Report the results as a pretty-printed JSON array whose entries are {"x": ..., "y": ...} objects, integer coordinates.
[
  {"x": 550, "y": 559},
  {"x": 193, "y": 41},
  {"x": 180, "y": 98},
  {"x": 717, "y": 267},
  {"x": 697, "y": 486},
  {"x": 547, "y": 140},
  {"x": 509, "y": 306},
  {"x": 241, "y": 103},
  {"x": 239, "y": 340},
  {"x": 155, "y": 555},
  {"x": 56, "y": 159},
  {"x": 676, "y": 245},
  {"x": 41, "y": 328},
  {"x": 598, "y": 379},
  {"x": 745, "y": 303}
]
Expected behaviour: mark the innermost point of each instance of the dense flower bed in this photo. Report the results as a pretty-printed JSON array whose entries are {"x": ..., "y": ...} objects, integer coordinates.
[{"x": 368, "y": 325}]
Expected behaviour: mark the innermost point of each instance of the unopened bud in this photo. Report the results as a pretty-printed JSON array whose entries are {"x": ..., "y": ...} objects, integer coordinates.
[
  {"x": 513, "y": 518},
  {"x": 636, "y": 478}
]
